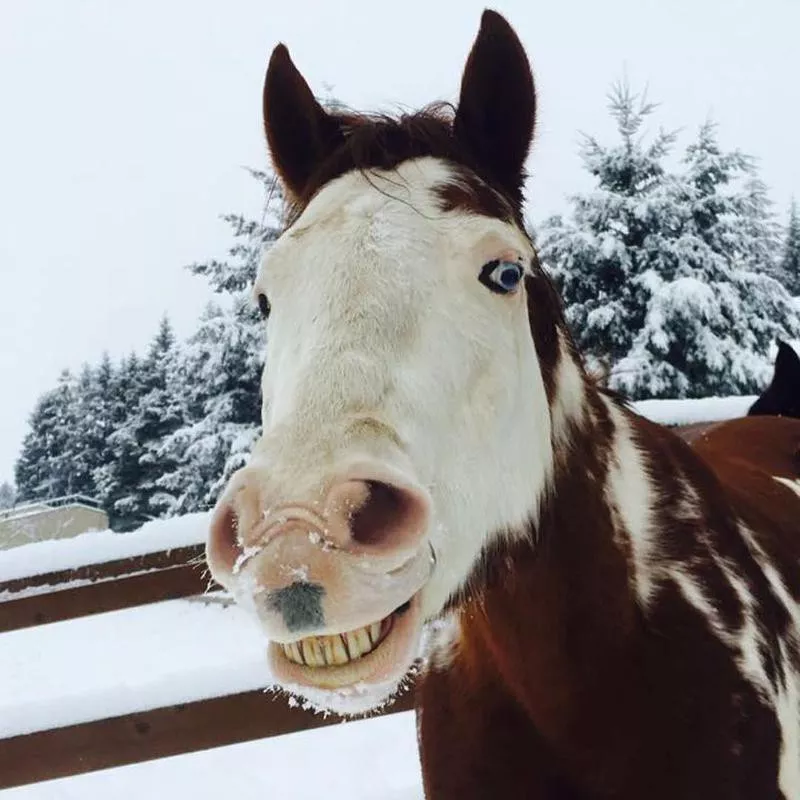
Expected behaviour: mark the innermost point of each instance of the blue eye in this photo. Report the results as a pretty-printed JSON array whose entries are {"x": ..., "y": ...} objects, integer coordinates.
[{"x": 502, "y": 277}]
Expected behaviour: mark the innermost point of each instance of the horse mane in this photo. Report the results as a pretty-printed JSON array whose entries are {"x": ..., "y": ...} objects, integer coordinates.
[{"x": 383, "y": 141}]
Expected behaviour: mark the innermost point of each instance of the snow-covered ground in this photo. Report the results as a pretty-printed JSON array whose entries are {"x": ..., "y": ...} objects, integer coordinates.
[
  {"x": 685, "y": 412},
  {"x": 372, "y": 759}
]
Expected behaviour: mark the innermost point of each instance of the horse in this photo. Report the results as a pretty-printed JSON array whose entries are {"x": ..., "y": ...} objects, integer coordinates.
[{"x": 589, "y": 606}]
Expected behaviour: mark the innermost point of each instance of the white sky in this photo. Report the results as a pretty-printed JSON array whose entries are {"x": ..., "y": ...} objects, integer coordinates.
[{"x": 125, "y": 125}]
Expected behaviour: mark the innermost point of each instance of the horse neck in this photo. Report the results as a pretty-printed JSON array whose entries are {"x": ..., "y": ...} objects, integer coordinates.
[{"x": 559, "y": 608}]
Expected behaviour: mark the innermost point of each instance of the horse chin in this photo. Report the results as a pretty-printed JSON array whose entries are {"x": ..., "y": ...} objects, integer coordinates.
[{"x": 362, "y": 684}]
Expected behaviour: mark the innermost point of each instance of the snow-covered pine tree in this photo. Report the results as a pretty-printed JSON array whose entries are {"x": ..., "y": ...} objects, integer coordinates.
[
  {"x": 222, "y": 365},
  {"x": 713, "y": 310},
  {"x": 42, "y": 470},
  {"x": 161, "y": 411},
  {"x": 789, "y": 272},
  {"x": 90, "y": 427},
  {"x": 599, "y": 257},
  {"x": 118, "y": 478},
  {"x": 68, "y": 437},
  {"x": 666, "y": 278}
]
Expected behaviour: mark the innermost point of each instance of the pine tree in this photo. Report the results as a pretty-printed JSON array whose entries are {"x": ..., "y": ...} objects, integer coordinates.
[
  {"x": 713, "y": 310},
  {"x": 89, "y": 427},
  {"x": 160, "y": 413},
  {"x": 790, "y": 260},
  {"x": 667, "y": 278},
  {"x": 599, "y": 258},
  {"x": 221, "y": 366},
  {"x": 43, "y": 470},
  {"x": 153, "y": 410},
  {"x": 118, "y": 478},
  {"x": 238, "y": 271}
]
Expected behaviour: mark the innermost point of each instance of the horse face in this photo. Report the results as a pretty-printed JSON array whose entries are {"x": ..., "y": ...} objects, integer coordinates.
[{"x": 405, "y": 418}]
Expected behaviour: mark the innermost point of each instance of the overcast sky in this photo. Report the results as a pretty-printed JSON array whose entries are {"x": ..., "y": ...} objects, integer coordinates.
[{"x": 125, "y": 126}]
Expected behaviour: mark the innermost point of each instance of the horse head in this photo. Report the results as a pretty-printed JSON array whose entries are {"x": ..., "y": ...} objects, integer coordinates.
[{"x": 410, "y": 398}]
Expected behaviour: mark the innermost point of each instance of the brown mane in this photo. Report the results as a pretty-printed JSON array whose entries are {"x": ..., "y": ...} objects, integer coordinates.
[{"x": 380, "y": 141}]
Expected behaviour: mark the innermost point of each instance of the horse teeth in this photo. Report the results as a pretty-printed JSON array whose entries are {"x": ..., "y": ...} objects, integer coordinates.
[
  {"x": 353, "y": 646},
  {"x": 339, "y": 650},
  {"x": 375, "y": 632},
  {"x": 336, "y": 649},
  {"x": 318, "y": 657},
  {"x": 364, "y": 642},
  {"x": 327, "y": 649}
]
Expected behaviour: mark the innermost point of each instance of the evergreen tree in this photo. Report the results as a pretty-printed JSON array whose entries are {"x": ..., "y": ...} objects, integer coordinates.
[
  {"x": 161, "y": 413},
  {"x": 666, "y": 278},
  {"x": 119, "y": 476},
  {"x": 222, "y": 365},
  {"x": 153, "y": 410},
  {"x": 790, "y": 261},
  {"x": 90, "y": 426},
  {"x": 43, "y": 470},
  {"x": 713, "y": 309},
  {"x": 600, "y": 256},
  {"x": 237, "y": 272}
]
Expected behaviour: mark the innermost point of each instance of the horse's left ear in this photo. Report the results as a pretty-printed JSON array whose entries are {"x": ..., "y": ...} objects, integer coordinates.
[
  {"x": 300, "y": 133},
  {"x": 497, "y": 107}
]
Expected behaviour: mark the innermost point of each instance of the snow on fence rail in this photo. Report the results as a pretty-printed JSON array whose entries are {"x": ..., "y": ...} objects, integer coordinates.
[{"x": 99, "y": 547}]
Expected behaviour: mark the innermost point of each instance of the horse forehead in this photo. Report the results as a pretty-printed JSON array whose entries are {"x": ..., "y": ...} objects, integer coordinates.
[{"x": 384, "y": 210}]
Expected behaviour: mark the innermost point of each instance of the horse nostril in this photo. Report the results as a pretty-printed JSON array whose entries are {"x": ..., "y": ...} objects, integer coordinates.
[
  {"x": 222, "y": 547},
  {"x": 388, "y": 516}
]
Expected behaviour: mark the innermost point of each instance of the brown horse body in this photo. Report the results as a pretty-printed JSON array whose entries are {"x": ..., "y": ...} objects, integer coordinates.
[
  {"x": 625, "y": 623},
  {"x": 563, "y": 684}
]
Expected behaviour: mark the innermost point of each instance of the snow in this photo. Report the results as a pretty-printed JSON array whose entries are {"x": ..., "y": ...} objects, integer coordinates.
[
  {"x": 362, "y": 760},
  {"x": 98, "y": 547},
  {"x": 686, "y": 412},
  {"x": 126, "y": 661}
]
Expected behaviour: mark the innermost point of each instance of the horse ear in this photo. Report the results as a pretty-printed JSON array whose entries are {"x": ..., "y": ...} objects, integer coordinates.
[
  {"x": 300, "y": 133},
  {"x": 497, "y": 107},
  {"x": 787, "y": 366}
]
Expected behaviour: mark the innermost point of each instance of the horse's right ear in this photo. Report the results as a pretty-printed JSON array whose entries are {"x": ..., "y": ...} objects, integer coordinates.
[{"x": 300, "y": 133}]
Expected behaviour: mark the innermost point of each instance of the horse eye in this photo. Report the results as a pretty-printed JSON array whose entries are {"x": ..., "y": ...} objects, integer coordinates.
[
  {"x": 263, "y": 305},
  {"x": 502, "y": 277}
]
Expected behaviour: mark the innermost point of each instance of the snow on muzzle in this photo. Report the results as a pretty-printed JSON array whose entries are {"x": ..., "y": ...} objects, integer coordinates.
[{"x": 344, "y": 566}]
